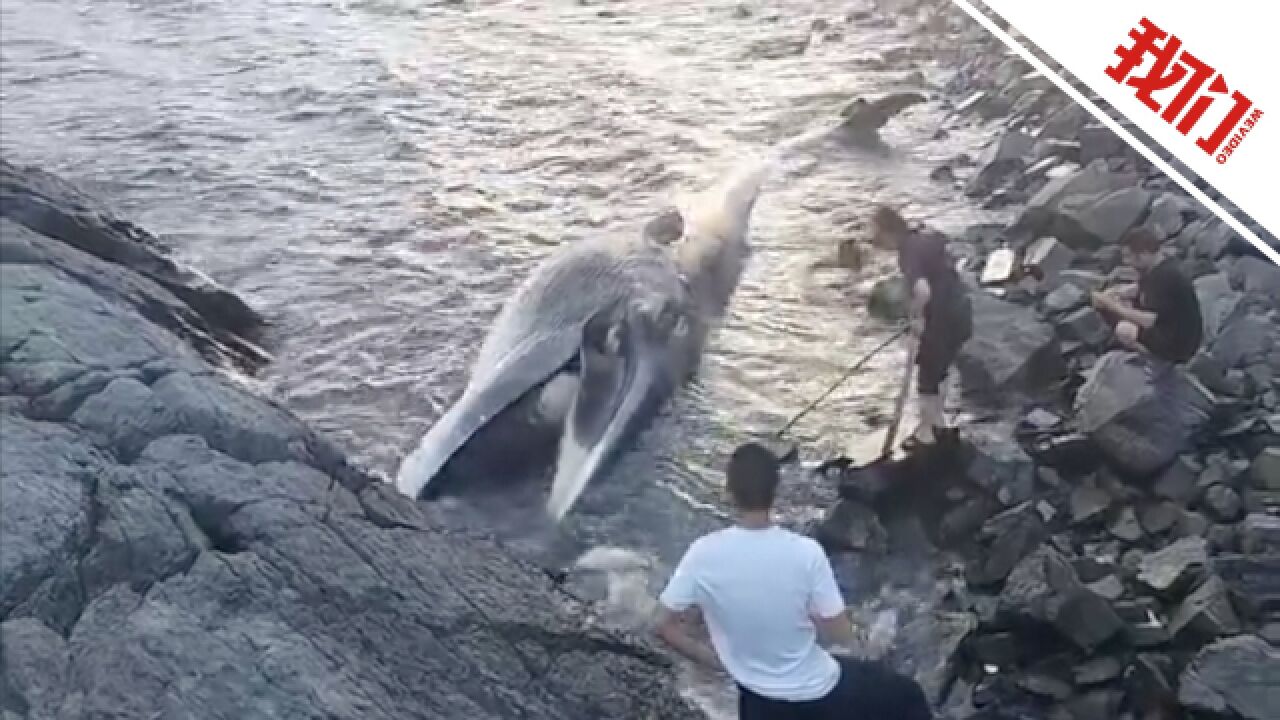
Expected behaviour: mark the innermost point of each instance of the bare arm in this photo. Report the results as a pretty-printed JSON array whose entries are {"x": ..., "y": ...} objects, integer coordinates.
[
  {"x": 836, "y": 631},
  {"x": 673, "y": 629}
]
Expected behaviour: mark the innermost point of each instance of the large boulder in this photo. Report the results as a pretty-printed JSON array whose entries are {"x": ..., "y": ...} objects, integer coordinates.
[
  {"x": 1238, "y": 675},
  {"x": 171, "y": 543},
  {"x": 1087, "y": 209},
  {"x": 1140, "y": 415},
  {"x": 1044, "y": 588},
  {"x": 1011, "y": 348}
]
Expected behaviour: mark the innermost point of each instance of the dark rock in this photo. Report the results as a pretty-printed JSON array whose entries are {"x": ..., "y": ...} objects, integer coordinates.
[
  {"x": 1239, "y": 674},
  {"x": 1011, "y": 349},
  {"x": 1083, "y": 279},
  {"x": 185, "y": 544},
  {"x": 1159, "y": 517},
  {"x": 128, "y": 263},
  {"x": 1064, "y": 298},
  {"x": 1218, "y": 303},
  {"x": 926, "y": 647},
  {"x": 1150, "y": 682},
  {"x": 1206, "y": 614},
  {"x": 1168, "y": 215},
  {"x": 1086, "y": 210},
  {"x": 1271, "y": 633},
  {"x": 1000, "y": 649},
  {"x": 1170, "y": 568},
  {"x": 1108, "y": 588},
  {"x": 1138, "y": 418},
  {"x": 1265, "y": 470},
  {"x": 1245, "y": 341},
  {"x": 1098, "y": 141},
  {"x": 1098, "y": 670},
  {"x": 1260, "y": 533},
  {"x": 1012, "y": 535},
  {"x": 1044, "y": 588},
  {"x": 1254, "y": 582},
  {"x": 1066, "y": 123},
  {"x": 1087, "y": 326},
  {"x": 1088, "y": 503},
  {"x": 1045, "y": 684},
  {"x": 666, "y": 228},
  {"x": 965, "y": 519},
  {"x": 1178, "y": 482},
  {"x": 1223, "y": 503},
  {"x": 1257, "y": 276},
  {"x": 1000, "y": 160},
  {"x": 1095, "y": 705},
  {"x": 1126, "y": 527},
  {"x": 1046, "y": 258},
  {"x": 1191, "y": 524},
  {"x": 852, "y": 527},
  {"x": 943, "y": 174}
]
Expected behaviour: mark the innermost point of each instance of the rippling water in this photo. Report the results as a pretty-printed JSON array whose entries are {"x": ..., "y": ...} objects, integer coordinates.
[{"x": 376, "y": 176}]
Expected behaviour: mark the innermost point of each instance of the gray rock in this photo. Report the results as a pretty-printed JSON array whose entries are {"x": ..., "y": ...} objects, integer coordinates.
[
  {"x": 1209, "y": 237},
  {"x": 1178, "y": 481},
  {"x": 1170, "y": 568},
  {"x": 1044, "y": 588},
  {"x": 1088, "y": 503},
  {"x": 1239, "y": 674},
  {"x": 1150, "y": 684},
  {"x": 1257, "y": 276},
  {"x": 184, "y": 544},
  {"x": 1218, "y": 303},
  {"x": 1010, "y": 349},
  {"x": 1167, "y": 215},
  {"x": 1108, "y": 588},
  {"x": 1159, "y": 517},
  {"x": 1000, "y": 160},
  {"x": 1139, "y": 418},
  {"x": 1098, "y": 670},
  {"x": 888, "y": 299},
  {"x": 1191, "y": 524},
  {"x": 1265, "y": 470},
  {"x": 1271, "y": 633},
  {"x": 1066, "y": 123},
  {"x": 1010, "y": 537},
  {"x": 1260, "y": 533},
  {"x": 1098, "y": 141},
  {"x": 1086, "y": 326},
  {"x": 1086, "y": 210},
  {"x": 1253, "y": 581},
  {"x": 1223, "y": 503},
  {"x": 1245, "y": 341},
  {"x": 1047, "y": 258},
  {"x": 926, "y": 649},
  {"x": 1205, "y": 614}
]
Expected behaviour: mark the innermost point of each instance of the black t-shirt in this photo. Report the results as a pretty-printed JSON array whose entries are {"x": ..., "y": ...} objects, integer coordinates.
[
  {"x": 1178, "y": 330},
  {"x": 924, "y": 255}
]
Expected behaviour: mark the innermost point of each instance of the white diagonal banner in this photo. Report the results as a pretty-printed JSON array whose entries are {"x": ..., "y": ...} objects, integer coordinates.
[{"x": 1198, "y": 81}]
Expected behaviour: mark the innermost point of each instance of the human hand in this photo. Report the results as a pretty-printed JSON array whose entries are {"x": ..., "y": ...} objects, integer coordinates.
[{"x": 1101, "y": 300}]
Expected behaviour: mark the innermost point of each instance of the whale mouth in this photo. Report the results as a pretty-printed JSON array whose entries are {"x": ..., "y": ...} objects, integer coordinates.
[{"x": 625, "y": 372}]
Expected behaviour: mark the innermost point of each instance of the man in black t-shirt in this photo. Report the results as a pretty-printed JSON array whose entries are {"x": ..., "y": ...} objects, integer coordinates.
[
  {"x": 1165, "y": 319},
  {"x": 939, "y": 308}
]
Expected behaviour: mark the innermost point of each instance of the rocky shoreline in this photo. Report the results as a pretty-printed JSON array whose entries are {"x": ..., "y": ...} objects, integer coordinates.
[
  {"x": 1120, "y": 535},
  {"x": 173, "y": 542}
]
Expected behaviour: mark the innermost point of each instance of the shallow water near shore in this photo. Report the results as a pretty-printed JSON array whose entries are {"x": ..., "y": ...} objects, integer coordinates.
[{"x": 377, "y": 176}]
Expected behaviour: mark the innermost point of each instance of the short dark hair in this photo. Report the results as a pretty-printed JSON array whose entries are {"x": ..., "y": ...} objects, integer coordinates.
[
  {"x": 752, "y": 477},
  {"x": 889, "y": 220},
  {"x": 1142, "y": 239}
]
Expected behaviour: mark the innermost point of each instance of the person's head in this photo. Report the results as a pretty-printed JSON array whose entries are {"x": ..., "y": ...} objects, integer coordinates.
[
  {"x": 1141, "y": 248},
  {"x": 752, "y": 477},
  {"x": 887, "y": 227}
]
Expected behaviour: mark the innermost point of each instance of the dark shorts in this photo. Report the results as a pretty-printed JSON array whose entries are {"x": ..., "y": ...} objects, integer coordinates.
[
  {"x": 866, "y": 691},
  {"x": 946, "y": 330}
]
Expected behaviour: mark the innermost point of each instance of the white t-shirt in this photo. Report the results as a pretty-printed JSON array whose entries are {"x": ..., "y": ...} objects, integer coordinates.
[{"x": 757, "y": 589}]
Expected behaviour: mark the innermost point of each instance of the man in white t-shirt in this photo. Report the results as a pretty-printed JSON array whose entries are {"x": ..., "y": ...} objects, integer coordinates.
[{"x": 770, "y": 602}]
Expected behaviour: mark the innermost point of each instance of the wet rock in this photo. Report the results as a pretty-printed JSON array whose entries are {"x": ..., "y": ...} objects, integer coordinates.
[
  {"x": 1088, "y": 503},
  {"x": 186, "y": 544},
  {"x": 1126, "y": 527},
  {"x": 1223, "y": 503},
  {"x": 1260, "y": 533},
  {"x": 1169, "y": 569},
  {"x": 1265, "y": 470},
  {"x": 1217, "y": 302},
  {"x": 1086, "y": 326},
  {"x": 1205, "y": 614},
  {"x": 1064, "y": 298},
  {"x": 888, "y": 299},
  {"x": 1238, "y": 675},
  {"x": 1140, "y": 420},
  {"x": 852, "y": 527},
  {"x": 1011, "y": 348}
]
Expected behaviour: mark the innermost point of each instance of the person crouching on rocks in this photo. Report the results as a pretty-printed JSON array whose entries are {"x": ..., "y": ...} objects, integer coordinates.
[
  {"x": 939, "y": 310},
  {"x": 1165, "y": 320},
  {"x": 770, "y": 602}
]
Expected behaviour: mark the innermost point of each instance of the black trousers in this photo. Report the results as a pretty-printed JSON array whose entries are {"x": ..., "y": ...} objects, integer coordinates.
[
  {"x": 866, "y": 691},
  {"x": 946, "y": 329}
]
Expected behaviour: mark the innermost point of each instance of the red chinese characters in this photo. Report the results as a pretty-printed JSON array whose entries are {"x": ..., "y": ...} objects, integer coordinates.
[{"x": 1174, "y": 66}]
